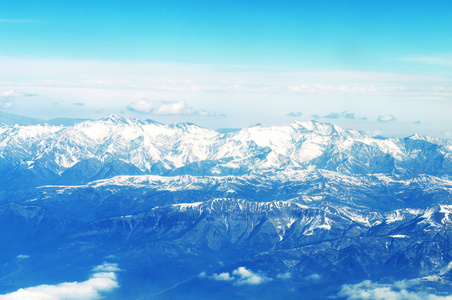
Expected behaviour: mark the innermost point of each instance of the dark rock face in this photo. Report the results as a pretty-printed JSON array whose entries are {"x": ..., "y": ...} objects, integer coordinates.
[{"x": 336, "y": 243}]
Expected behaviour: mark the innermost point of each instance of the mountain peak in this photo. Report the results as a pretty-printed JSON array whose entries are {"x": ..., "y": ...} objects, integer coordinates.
[{"x": 116, "y": 119}]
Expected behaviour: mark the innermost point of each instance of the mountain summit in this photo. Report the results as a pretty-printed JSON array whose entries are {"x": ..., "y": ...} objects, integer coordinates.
[{"x": 148, "y": 147}]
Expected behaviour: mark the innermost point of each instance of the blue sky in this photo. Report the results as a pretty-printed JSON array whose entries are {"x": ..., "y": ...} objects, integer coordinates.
[{"x": 232, "y": 63}]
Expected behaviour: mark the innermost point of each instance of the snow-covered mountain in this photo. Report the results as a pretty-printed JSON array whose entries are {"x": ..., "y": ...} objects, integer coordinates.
[
  {"x": 305, "y": 207},
  {"x": 92, "y": 150},
  {"x": 300, "y": 247}
]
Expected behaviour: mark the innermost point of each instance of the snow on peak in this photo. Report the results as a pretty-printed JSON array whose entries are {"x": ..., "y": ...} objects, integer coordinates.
[
  {"x": 115, "y": 119},
  {"x": 150, "y": 145}
]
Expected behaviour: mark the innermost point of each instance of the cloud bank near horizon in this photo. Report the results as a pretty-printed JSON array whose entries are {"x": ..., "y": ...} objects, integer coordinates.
[
  {"x": 167, "y": 108},
  {"x": 246, "y": 94}
]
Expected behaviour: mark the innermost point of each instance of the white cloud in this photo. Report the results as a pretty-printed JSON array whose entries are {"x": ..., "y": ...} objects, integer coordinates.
[
  {"x": 263, "y": 94},
  {"x": 14, "y": 94},
  {"x": 246, "y": 276},
  {"x": 222, "y": 277},
  {"x": 7, "y": 97},
  {"x": 374, "y": 291},
  {"x": 342, "y": 115},
  {"x": 314, "y": 276},
  {"x": 103, "y": 280},
  {"x": 23, "y": 256},
  {"x": 240, "y": 276},
  {"x": 107, "y": 267},
  {"x": 166, "y": 108},
  {"x": 387, "y": 118}
]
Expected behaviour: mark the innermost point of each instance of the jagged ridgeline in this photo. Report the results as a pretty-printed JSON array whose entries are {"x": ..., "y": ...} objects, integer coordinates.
[{"x": 291, "y": 212}]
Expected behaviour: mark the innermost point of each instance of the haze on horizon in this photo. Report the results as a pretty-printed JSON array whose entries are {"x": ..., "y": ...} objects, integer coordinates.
[{"x": 379, "y": 66}]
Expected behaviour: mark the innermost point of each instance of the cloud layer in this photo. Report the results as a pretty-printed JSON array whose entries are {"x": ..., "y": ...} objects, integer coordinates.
[
  {"x": 103, "y": 280},
  {"x": 166, "y": 108},
  {"x": 374, "y": 291}
]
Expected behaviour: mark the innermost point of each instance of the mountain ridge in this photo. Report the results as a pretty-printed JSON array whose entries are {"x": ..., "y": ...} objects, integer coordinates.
[{"x": 149, "y": 147}]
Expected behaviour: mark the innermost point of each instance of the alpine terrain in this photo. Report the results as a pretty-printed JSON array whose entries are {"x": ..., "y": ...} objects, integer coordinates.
[{"x": 136, "y": 209}]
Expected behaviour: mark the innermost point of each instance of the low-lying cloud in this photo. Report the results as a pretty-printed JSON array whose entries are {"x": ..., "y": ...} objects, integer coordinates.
[
  {"x": 7, "y": 97},
  {"x": 245, "y": 276},
  {"x": 386, "y": 118},
  {"x": 240, "y": 276},
  {"x": 335, "y": 116},
  {"x": 374, "y": 291},
  {"x": 167, "y": 108},
  {"x": 102, "y": 280}
]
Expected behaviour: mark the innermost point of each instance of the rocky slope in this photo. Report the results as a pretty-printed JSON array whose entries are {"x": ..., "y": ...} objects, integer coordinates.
[{"x": 262, "y": 213}]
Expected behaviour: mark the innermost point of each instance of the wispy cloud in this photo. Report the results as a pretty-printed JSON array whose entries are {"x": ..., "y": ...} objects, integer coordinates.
[
  {"x": 9, "y": 94},
  {"x": 78, "y": 103},
  {"x": 284, "y": 276},
  {"x": 386, "y": 118},
  {"x": 103, "y": 280},
  {"x": 166, "y": 108},
  {"x": 314, "y": 277},
  {"x": 208, "y": 78},
  {"x": 441, "y": 60}
]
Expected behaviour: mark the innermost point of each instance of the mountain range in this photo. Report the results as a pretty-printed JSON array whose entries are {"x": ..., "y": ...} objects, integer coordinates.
[{"x": 305, "y": 210}]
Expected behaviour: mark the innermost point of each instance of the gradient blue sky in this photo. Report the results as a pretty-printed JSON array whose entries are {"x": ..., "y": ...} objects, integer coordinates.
[{"x": 232, "y": 63}]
